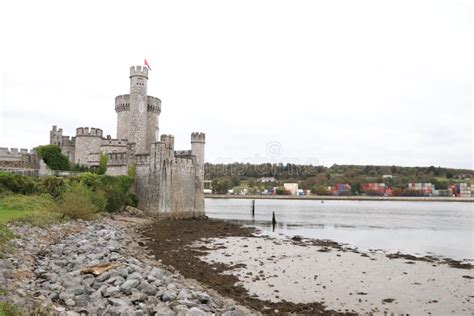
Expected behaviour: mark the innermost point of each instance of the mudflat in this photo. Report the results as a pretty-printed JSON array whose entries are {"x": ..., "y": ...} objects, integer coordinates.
[{"x": 309, "y": 276}]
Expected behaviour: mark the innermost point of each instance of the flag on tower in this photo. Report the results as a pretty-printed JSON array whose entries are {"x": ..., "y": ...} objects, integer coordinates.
[{"x": 146, "y": 64}]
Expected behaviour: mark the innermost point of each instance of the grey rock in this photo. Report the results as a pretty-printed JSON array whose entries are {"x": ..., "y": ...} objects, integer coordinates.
[
  {"x": 123, "y": 272},
  {"x": 70, "y": 302},
  {"x": 78, "y": 290},
  {"x": 169, "y": 295},
  {"x": 118, "y": 302},
  {"x": 184, "y": 295},
  {"x": 116, "y": 280},
  {"x": 89, "y": 281},
  {"x": 135, "y": 275},
  {"x": 81, "y": 300},
  {"x": 203, "y": 298},
  {"x": 147, "y": 288},
  {"x": 138, "y": 297},
  {"x": 65, "y": 296},
  {"x": 194, "y": 311},
  {"x": 112, "y": 291},
  {"x": 163, "y": 310},
  {"x": 129, "y": 285}
]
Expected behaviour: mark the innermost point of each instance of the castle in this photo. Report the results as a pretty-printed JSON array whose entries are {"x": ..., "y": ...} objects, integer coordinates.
[{"x": 167, "y": 180}]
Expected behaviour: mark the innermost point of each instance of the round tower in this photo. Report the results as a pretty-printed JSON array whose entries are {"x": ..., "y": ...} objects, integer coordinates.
[
  {"x": 198, "y": 141},
  {"x": 153, "y": 114},
  {"x": 87, "y": 142},
  {"x": 122, "y": 107},
  {"x": 138, "y": 108}
]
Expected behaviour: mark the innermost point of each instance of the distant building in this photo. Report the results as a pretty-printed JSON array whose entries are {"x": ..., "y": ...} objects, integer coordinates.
[
  {"x": 424, "y": 188},
  {"x": 373, "y": 188},
  {"x": 461, "y": 190},
  {"x": 341, "y": 189},
  {"x": 292, "y": 188},
  {"x": 266, "y": 179},
  {"x": 387, "y": 176}
]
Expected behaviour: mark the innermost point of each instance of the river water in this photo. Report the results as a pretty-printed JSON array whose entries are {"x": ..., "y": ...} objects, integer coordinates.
[{"x": 443, "y": 229}]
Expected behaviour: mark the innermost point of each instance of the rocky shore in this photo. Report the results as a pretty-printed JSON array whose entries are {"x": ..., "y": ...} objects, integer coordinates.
[{"x": 98, "y": 268}]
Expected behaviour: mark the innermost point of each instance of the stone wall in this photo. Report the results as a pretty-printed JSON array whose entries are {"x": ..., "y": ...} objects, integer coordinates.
[{"x": 110, "y": 145}]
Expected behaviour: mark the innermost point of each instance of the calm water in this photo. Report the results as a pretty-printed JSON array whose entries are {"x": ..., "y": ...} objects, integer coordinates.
[{"x": 440, "y": 228}]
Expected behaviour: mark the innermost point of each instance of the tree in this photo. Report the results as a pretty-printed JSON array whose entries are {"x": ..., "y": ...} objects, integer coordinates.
[
  {"x": 103, "y": 160},
  {"x": 53, "y": 158},
  {"x": 320, "y": 190}
]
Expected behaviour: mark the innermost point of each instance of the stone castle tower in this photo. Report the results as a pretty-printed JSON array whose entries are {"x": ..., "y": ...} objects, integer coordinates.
[{"x": 167, "y": 180}]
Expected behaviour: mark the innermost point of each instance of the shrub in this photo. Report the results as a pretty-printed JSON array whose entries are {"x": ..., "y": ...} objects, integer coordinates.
[
  {"x": 132, "y": 170},
  {"x": 53, "y": 186},
  {"x": 117, "y": 192},
  {"x": 18, "y": 184},
  {"x": 91, "y": 180},
  {"x": 77, "y": 202},
  {"x": 53, "y": 157},
  {"x": 104, "y": 159}
]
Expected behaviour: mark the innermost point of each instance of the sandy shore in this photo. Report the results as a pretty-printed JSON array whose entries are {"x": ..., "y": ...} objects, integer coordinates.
[
  {"x": 307, "y": 276},
  {"x": 345, "y": 281}
]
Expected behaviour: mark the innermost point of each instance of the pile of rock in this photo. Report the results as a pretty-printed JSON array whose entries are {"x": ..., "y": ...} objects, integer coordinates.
[{"x": 46, "y": 268}]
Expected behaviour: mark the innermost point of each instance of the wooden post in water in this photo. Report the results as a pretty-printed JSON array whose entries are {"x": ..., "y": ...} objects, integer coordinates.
[
  {"x": 253, "y": 208},
  {"x": 273, "y": 221}
]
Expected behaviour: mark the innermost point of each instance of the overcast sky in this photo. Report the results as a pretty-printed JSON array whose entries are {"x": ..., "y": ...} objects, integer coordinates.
[{"x": 322, "y": 82}]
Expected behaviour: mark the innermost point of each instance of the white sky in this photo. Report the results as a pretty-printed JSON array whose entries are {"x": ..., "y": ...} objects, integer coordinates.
[{"x": 322, "y": 82}]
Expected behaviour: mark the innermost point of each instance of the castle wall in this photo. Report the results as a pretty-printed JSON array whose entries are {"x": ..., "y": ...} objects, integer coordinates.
[
  {"x": 87, "y": 141},
  {"x": 113, "y": 145},
  {"x": 183, "y": 186},
  {"x": 68, "y": 147},
  {"x": 117, "y": 170}
]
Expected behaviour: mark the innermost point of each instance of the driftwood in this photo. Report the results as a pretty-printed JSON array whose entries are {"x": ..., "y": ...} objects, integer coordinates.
[{"x": 100, "y": 268}]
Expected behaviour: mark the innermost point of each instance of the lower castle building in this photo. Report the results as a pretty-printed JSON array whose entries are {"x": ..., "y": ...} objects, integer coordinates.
[{"x": 167, "y": 180}]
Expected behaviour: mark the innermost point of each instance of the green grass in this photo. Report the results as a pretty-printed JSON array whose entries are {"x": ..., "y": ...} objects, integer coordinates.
[
  {"x": 34, "y": 209},
  {"x": 8, "y": 309}
]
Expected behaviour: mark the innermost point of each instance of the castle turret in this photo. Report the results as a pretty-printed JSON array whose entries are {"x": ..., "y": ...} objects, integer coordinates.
[
  {"x": 56, "y": 136},
  {"x": 198, "y": 141},
  {"x": 138, "y": 108}
]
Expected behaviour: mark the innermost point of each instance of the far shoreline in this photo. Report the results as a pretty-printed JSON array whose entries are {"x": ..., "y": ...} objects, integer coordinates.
[{"x": 340, "y": 198}]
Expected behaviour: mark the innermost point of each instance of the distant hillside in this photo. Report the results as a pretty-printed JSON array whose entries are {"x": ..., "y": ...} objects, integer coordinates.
[{"x": 309, "y": 176}]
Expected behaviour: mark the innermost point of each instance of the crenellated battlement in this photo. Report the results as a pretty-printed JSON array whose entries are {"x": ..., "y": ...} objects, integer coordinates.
[
  {"x": 14, "y": 152},
  {"x": 153, "y": 105},
  {"x": 122, "y": 103},
  {"x": 168, "y": 140},
  {"x": 68, "y": 141},
  {"x": 141, "y": 71},
  {"x": 142, "y": 159},
  {"x": 198, "y": 137},
  {"x": 184, "y": 162},
  {"x": 85, "y": 131}
]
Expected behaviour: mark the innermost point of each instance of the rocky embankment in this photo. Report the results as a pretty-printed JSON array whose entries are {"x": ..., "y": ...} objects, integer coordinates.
[{"x": 97, "y": 268}]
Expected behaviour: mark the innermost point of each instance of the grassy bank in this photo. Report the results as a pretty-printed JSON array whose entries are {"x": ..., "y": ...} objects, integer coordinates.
[{"x": 33, "y": 209}]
